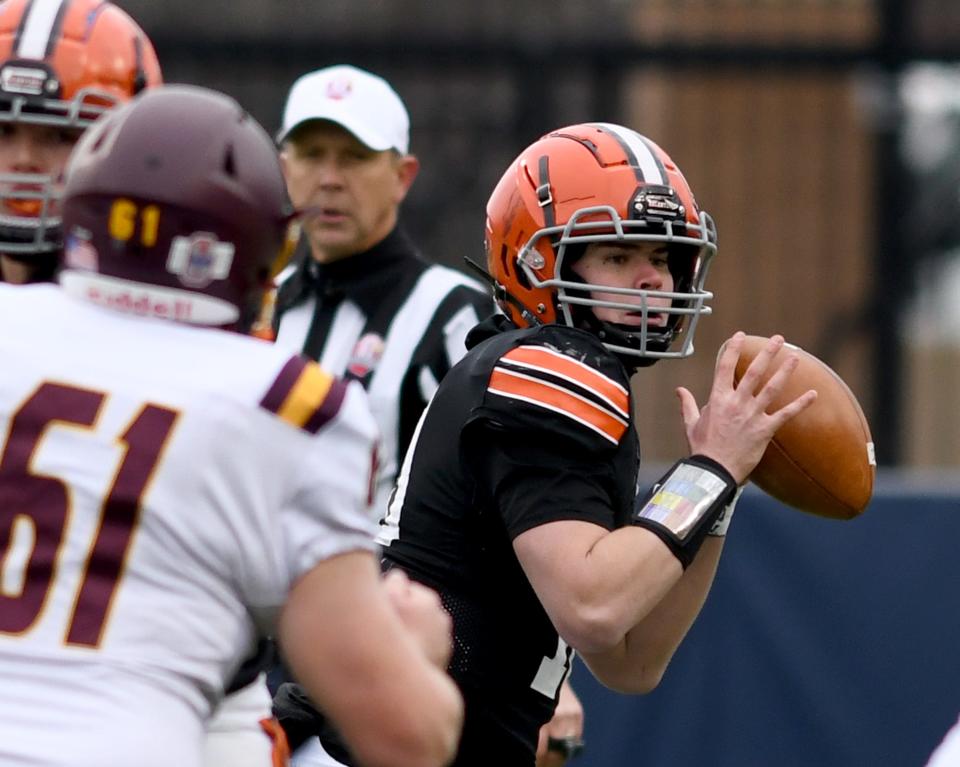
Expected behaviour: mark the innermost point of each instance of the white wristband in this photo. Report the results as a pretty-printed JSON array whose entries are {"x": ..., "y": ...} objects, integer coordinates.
[{"x": 719, "y": 528}]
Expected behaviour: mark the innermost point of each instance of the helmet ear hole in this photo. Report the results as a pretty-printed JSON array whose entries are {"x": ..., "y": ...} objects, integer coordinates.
[
  {"x": 504, "y": 263},
  {"x": 99, "y": 132},
  {"x": 140, "y": 77},
  {"x": 229, "y": 162},
  {"x": 508, "y": 267}
]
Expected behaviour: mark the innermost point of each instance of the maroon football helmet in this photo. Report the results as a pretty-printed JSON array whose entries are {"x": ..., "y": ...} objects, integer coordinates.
[{"x": 175, "y": 207}]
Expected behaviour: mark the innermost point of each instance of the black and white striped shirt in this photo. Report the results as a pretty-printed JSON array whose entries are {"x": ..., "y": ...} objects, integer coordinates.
[{"x": 386, "y": 318}]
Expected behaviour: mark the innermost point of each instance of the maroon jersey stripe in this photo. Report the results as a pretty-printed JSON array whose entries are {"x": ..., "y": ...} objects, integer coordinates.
[
  {"x": 329, "y": 408},
  {"x": 274, "y": 398}
]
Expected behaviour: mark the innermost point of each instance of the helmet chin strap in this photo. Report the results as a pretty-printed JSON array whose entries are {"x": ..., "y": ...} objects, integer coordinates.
[
  {"x": 616, "y": 334},
  {"x": 664, "y": 335}
]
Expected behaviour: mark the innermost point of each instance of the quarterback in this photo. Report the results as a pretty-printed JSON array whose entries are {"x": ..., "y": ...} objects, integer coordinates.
[{"x": 518, "y": 502}]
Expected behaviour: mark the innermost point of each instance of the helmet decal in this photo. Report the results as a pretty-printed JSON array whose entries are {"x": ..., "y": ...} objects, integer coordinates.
[
  {"x": 639, "y": 153},
  {"x": 40, "y": 26},
  {"x": 199, "y": 259}
]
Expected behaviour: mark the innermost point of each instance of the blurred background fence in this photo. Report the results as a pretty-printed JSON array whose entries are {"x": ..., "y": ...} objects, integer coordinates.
[{"x": 821, "y": 134}]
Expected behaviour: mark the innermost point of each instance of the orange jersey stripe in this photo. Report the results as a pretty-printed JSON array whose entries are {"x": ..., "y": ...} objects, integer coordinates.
[
  {"x": 508, "y": 383},
  {"x": 549, "y": 361}
]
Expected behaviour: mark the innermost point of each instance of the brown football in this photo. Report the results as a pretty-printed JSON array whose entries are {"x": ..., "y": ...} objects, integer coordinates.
[{"x": 822, "y": 460}]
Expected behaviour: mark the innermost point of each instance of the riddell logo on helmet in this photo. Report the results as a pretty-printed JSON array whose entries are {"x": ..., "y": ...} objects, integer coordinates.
[
  {"x": 657, "y": 204},
  {"x": 142, "y": 303}
]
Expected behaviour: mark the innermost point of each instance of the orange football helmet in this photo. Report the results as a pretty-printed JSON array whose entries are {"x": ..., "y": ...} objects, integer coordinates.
[
  {"x": 63, "y": 63},
  {"x": 598, "y": 182}
]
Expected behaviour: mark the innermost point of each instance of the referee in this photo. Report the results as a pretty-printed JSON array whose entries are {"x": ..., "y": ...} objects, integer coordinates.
[{"x": 358, "y": 297}]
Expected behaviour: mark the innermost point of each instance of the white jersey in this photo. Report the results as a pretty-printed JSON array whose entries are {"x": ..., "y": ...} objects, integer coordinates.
[{"x": 161, "y": 488}]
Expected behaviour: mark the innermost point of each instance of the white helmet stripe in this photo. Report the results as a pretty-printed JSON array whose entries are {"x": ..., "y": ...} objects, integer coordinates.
[
  {"x": 40, "y": 25},
  {"x": 643, "y": 156}
]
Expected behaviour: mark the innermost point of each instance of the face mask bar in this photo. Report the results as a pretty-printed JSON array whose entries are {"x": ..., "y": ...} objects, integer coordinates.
[
  {"x": 29, "y": 232},
  {"x": 39, "y": 232},
  {"x": 686, "y": 305},
  {"x": 80, "y": 112}
]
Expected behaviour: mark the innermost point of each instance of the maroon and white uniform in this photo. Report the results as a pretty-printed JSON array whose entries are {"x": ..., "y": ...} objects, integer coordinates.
[{"x": 161, "y": 488}]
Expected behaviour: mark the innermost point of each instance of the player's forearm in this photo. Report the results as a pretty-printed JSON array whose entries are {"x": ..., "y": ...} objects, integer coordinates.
[
  {"x": 637, "y": 663},
  {"x": 420, "y": 729},
  {"x": 365, "y": 669},
  {"x": 679, "y": 512},
  {"x": 612, "y": 586},
  {"x": 402, "y": 711}
]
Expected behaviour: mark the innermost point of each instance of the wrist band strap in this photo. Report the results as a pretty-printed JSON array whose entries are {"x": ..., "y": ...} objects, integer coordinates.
[{"x": 685, "y": 504}]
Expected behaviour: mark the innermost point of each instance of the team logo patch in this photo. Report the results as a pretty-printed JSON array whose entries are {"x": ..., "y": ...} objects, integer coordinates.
[
  {"x": 26, "y": 80},
  {"x": 366, "y": 355},
  {"x": 79, "y": 253},
  {"x": 200, "y": 259},
  {"x": 339, "y": 88}
]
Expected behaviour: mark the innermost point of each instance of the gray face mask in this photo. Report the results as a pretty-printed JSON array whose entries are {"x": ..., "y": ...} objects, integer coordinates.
[{"x": 682, "y": 309}]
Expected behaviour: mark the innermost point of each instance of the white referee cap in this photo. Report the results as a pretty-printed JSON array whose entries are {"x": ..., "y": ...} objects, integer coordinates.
[{"x": 361, "y": 102}]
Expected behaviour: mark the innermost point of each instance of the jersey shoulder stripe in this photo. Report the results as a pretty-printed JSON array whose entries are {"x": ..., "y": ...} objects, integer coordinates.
[
  {"x": 578, "y": 376},
  {"x": 304, "y": 395},
  {"x": 558, "y": 399}
]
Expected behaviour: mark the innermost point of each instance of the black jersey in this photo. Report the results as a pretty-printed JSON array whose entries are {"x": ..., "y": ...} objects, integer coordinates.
[{"x": 533, "y": 426}]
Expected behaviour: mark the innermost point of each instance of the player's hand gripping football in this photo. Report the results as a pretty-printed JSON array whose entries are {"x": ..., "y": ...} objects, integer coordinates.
[
  {"x": 734, "y": 428},
  {"x": 421, "y": 611}
]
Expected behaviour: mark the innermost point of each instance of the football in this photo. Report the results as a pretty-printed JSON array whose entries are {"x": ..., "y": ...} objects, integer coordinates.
[{"x": 822, "y": 460}]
